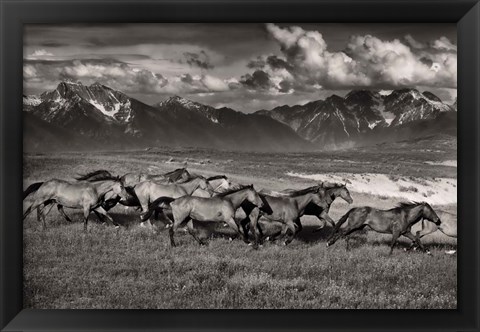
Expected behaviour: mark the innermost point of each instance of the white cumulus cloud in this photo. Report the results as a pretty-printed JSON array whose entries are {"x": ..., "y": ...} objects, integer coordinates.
[{"x": 366, "y": 61}]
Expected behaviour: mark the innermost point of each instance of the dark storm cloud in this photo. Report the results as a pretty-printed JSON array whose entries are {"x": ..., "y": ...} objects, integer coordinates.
[
  {"x": 235, "y": 41},
  {"x": 428, "y": 62},
  {"x": 52, "y": 43},
  {"x": 200, "y": 60},
  {"x": 272, "y": 60},
  {"x": 285, "y": 86},
  {"x": 187, "y": 78},
  {"x": 276, "y": 63},
  {"x": 258, "y": 80}
]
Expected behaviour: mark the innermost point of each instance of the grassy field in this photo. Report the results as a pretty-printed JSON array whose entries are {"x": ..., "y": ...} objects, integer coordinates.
[{"x": 133, "y": 267}]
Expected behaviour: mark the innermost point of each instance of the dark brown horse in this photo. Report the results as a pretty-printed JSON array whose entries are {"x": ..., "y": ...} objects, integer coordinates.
[
  {"x": 397, "y": 221},
  {"x": 327, "y": 192},
  {"x": 287, "y": 210}
]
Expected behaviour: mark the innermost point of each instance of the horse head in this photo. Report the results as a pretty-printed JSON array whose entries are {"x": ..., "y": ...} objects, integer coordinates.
[
  {"x": 429, "y": 214},
  {"x": 204, "y": 184},
  {"x": 254, "y": 197},
  {"x": 223, "y": 182},
  {"x": 185, "y": 175},
  {"x": 317, "y": 196},
  {"x": 345, "y": 194},
  {"x": 118, "y": 188}
]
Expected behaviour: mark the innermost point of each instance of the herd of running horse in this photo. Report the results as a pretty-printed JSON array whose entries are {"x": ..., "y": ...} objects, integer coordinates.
[{"x": 181, "y": 197}]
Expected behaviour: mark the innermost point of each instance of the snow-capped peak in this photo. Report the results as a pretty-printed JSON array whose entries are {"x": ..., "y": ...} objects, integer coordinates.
[
  {"x": 114, "y": 105},
  {"x": 179, "y": 101},
  {"x": 31, "y": 100}
]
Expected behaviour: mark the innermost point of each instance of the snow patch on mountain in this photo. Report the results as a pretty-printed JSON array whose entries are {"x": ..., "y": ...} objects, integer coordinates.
[
  {"x": 386, "y": 115},
  {"x": 101, "y": 108},
  {"x": 31, "y": 100}
]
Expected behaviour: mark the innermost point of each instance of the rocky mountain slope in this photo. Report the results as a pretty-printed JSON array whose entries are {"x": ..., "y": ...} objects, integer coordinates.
[
  {"x": 99, "y": 117},
  {"x": 363, "y": 116}
]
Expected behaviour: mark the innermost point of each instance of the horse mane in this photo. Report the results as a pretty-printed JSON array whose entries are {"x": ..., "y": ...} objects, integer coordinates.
[
  {"x": 105, "y": 177},
  {"x": 216, "y": 177},
  {"x": 332, "y": 185},
  {"x": 302, "y": 191},
  {"x": 234, "y": 190},
  {"x": 176, "y": 174},
  {"x": 191, "y": 178},
  {"x": 407, "y": 205},
  {"x": 100, "y": 173}
]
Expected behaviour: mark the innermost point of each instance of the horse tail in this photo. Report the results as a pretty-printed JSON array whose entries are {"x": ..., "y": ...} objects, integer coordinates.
[
  {"x": 32, "y": 188},
  {"x": 342, "y": 221},
  {"x": 156, "y": 204}
]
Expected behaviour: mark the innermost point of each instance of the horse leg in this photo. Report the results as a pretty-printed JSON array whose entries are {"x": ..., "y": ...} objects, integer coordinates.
[
  {"x": 193, "y": 232},
  {"x": 279, "y": 234},
  {"x": 39, "y": 209},
  {"x": 42, "y": 216},
  {"x": 231, "y": 222},
  {"x": 178, "y": 219},
  {"x": 62, "y": 212},
  {"x": 322, "y": 224},
  {"x": 32, "y": 207},
  {"x": 243, "y": 230},
  {"x": 86, "y": 213},
  {"x": 245, "y": 225},
  {"x": 50, "y": 207},
  {"x": 171, "y": 233},
  {"x": 261, "y": 234},
  {"x": 324, "y": 218},
  {"x": 164, "y": 217},
  {"x": 415, "y": 240},
  {"x": 155, "y": 214},
  {"x": 104, "y": 213},
  {"x": 418, "y": 236},
  {"x": 99, "y": 216},
  {"x": 283, "y": 231},
  {"x": 254, "y": 226},
  {"x": 324, "y": 215},
  {"x": 291, "y": 232},
  {"x": 395, "y": 235},
  {"x": 334, "y": 237},
  {"x": 298, "y": 225}
]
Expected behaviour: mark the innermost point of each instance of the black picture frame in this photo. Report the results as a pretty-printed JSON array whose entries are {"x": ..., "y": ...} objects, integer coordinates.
[{"x": 466, "y": 13}]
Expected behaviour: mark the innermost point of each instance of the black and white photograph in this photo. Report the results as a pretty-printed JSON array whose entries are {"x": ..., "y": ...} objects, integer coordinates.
[{"x": 240, "y": 166}]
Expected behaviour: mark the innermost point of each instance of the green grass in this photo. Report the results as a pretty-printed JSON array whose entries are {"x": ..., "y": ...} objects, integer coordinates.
[{"x": 134, "y": 268}]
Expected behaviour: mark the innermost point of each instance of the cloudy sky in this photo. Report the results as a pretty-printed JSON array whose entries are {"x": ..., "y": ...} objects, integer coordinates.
[{"x": 243, "y": 66}]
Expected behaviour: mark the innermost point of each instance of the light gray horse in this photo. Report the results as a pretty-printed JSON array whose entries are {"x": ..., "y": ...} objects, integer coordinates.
[{"x": 84, "y": 195}]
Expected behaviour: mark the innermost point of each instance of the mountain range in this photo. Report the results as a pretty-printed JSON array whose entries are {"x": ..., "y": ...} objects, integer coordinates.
[
  {"x": 365, "y": 116},
  {"x": 75, "y": 116}
]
